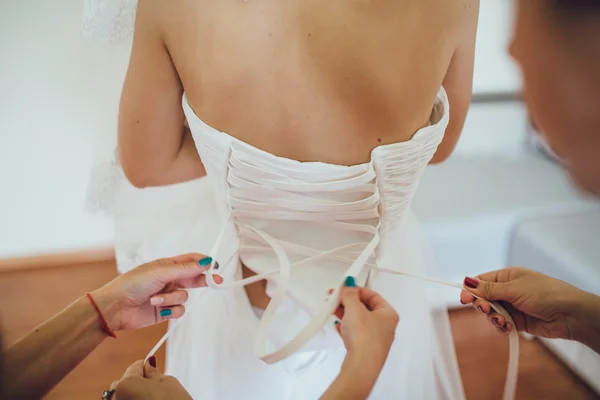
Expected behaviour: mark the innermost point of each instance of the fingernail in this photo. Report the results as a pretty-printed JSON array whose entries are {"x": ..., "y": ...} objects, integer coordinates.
[
  {"x": 152, "y": 361},
  {"x": 336, "y": 322},
  {"x": 156, "y": 301},
  {"x": 471, "y": 283},
  {"x": 166, "y": 312},
  {"x": 205, "y": 262},
  {"x": 480, "y": 309},
  {"x": 496, "y": 322},
  {"x": 218, "y": 279},
  {"x": 350, "y": 282}
]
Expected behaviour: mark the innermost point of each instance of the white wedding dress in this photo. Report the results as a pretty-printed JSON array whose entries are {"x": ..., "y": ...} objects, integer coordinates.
[{"x": 306, "y": 209}]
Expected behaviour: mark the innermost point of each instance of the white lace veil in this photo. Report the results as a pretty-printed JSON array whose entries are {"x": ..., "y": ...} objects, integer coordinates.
[{"x": 106, "y": 23}]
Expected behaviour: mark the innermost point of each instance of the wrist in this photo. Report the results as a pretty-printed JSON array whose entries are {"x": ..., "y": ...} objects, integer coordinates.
[
  {"x": 362, "y": 368},
  {"x": 110, "y": 305},
  {"x": 585, "y": 318}
]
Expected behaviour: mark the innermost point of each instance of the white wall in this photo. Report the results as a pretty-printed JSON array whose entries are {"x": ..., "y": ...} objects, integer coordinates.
[
  {"x": 50, "y": 114},
  {"x": 494, "y": 69},
  {"x": 58, "y": 93}
]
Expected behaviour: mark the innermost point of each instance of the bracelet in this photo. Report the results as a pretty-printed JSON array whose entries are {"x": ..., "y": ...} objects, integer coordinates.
[{"x": 103, "y": 323}]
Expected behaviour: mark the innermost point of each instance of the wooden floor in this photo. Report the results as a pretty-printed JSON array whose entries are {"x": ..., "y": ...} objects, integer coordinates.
[{"x": 29, "y": 296}]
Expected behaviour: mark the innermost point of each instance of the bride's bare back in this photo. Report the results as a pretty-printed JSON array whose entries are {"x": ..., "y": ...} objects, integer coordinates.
[{"x": 304, "y": 79}]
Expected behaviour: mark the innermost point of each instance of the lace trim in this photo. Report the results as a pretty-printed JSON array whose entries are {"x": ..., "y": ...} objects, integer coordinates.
[
  {"x": 106, "y": 179},
  {"x": 108, "y": 21}
]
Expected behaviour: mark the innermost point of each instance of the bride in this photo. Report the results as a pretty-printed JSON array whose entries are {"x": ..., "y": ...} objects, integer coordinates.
[{"x": 312, "y": 122}]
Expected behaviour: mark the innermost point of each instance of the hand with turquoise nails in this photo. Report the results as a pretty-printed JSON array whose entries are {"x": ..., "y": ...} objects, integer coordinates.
[
  {"x": 368, "y": 327},
  {"x": 367, "y": 320},
  {"x": 153, "y": 292}
]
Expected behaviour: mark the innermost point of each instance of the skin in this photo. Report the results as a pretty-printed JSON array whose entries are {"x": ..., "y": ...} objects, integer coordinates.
[
  {"x": 144, "y": 382},
  {"x": 301, "y": 77},
  {"x": 562, "y": 87}
]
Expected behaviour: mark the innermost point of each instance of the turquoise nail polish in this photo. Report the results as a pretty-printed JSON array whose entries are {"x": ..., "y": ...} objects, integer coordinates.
[
  {"x": 336, "y": 322},
  {"x": 166, "y": 312},
  {"x": 350, "y": 282},
  {"x": 205, "y": 262}
]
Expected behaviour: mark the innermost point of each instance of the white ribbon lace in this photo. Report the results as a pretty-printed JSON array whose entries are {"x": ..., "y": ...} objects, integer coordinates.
[{"x": 257, "y": 191}]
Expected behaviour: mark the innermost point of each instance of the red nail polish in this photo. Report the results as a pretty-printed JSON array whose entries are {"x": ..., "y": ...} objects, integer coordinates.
[
  {"x": 471, "y": 283},
  {"x": 152, "y": 361}
]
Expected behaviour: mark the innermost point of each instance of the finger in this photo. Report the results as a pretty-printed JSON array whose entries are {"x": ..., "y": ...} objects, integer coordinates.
[
  {"x": 490, "y": 290},
  {"x": 150, "y": 370},
  {"x": 339, "y": 312},
  {"x": 482, "y": 306},
  {"x": 168, "y": 313},
  {"x": 466, "y": 297},
  {"x": 200, "y": 281},
  {"x": 497, "y": 320},
  {"x": 180, "y": 259},
  {"x": 373, "y": 300},
  {"x": 189, "y": 266},
  {"x": 173, "y": 298},
  {"x": 350, "y": 299},
  {"x": 135, "y": 369}
]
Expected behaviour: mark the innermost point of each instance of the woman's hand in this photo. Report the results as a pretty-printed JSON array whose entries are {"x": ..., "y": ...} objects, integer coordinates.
[
  {"x": 368, "y": 323},
  {"x": 368, "y": 329},
  {"x": 539, "y": 304},
  {"x": 153, "y": 292},
  {"x": 144, "y": 382}
]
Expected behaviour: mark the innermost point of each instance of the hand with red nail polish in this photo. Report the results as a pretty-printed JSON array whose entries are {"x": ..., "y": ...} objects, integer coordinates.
[
  {"x": 146, "y": 382},
  {"x": 540, "y": 305}
]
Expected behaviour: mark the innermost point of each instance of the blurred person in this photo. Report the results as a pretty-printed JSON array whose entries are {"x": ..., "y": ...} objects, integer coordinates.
[{"x": 556, "y": 45}]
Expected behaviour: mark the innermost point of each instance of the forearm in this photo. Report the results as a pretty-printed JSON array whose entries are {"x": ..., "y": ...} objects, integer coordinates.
[
  {"x": 356, "y": 379},
  {"x": 40, "y": 360},
  {"x": 587, "y": 324}
]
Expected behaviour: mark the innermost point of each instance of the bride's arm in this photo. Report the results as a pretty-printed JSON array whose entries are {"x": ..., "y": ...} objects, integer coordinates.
[
  {"x": 155, "y": 148},
  {"x": 458, "y": 81}
]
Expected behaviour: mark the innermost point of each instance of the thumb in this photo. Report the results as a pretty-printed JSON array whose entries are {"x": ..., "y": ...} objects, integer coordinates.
[
  {"x": 350, "y": 299},
  {"x": 150, "y": 371},
  {"x": 492, "y": 291}
]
